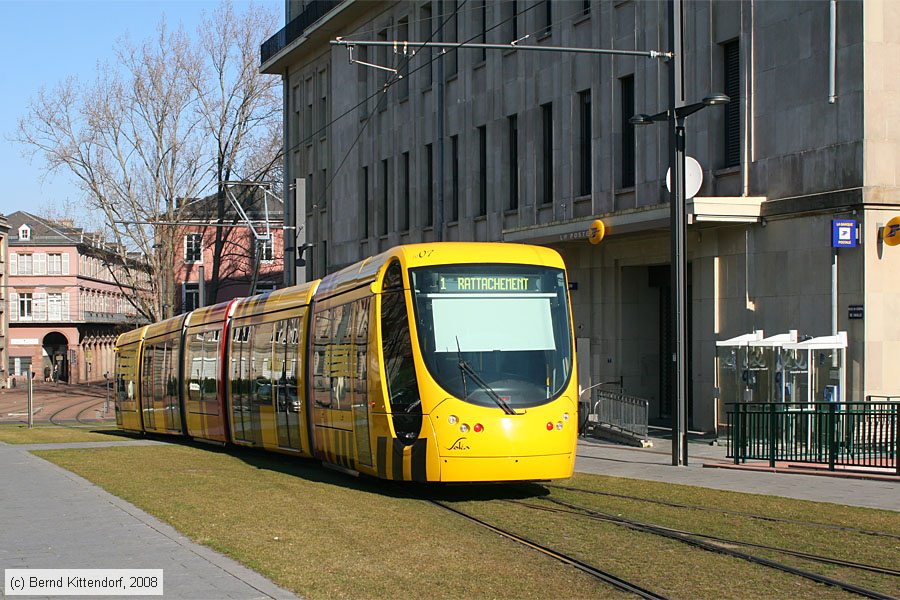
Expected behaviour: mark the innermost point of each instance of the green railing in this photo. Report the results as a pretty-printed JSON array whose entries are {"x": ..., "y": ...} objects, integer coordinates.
[{"x": 858, "y": 434}]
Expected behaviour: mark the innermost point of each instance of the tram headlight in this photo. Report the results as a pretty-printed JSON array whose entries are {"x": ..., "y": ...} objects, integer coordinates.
[
  {"x": 464, "y": 428},
  {"x": 565, "y": 416},
  {"x": 559, "y": 425},
  {"x": 452, "y": 419}
]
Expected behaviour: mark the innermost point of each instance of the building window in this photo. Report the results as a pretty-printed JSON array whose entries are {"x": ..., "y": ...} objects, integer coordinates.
[
  {"x": 191, "y": 300},
  {"x": 584, "y": 143},
  {"x": 193, "y": 247},
  {"x": 323, "y": 103},
  {"x": 626, "y": 111},
  {"x": 481, "y": 28},
  {"x": 364, "y": 203},
  {"x": 545, "y": 18},
  {"x": 24, "y": 233},
  {"x": 425, "y": 29},
  {"x": 308, "y": 87},
  {"x": 25, "y": 264},
  {"x": 403, "y": 67},
  {"x": 404, "y": 211},
  {"x": 26, "y": 306},
  {"x": 54, "y": 264},
  {"x": 266, "y": 286},
  {"x": 547, "y": 147},
  {"x": 266, "y": 250},
  {"x": 511, "y": 18},
  {"x": 381, "y": 53},
  {"x": 513, "y": 166},
  {"x": 454, "y": 174},
  {"x": 732, "y": 109},
  {"x": 451, "y": 34},
  {"x": 482, "y": 170},
  {"x": 429, "y": 185},
  {"x": 385, "y": 195}
]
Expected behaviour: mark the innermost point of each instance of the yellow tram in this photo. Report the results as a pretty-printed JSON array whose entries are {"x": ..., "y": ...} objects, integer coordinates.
[{"x": 449, "y": 362}]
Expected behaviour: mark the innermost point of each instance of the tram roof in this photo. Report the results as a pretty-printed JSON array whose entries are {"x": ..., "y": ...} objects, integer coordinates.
[
  {"x": 207, "y": 315},
  {"x": 131, "y": 337},
  {"x": 162, "y": 328},
  {"x": 274, "y": 301},
  {"x": 372, "y": 269}
]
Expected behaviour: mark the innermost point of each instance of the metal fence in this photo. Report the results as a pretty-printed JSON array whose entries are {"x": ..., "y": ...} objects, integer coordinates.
[
  {"x": 860, "y": 434},
  {"x": 626, "y": 413}
]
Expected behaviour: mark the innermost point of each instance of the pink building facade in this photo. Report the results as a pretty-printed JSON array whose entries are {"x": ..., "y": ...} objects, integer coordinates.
[
  {"x": 65, "y": 308},
  {"x": 194, "y": 256}
]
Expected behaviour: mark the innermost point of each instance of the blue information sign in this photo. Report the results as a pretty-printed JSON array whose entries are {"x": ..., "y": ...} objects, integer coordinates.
[{"x": 843, "y": 233}]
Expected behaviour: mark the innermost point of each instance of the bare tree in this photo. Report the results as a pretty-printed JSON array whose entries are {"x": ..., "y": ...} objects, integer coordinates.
[
  {"x": 172, "y": 120},
  {"x": 240, "y": 111}
]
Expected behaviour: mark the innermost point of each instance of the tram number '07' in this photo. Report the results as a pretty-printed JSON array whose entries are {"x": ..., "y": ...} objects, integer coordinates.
[
  {"x": 142, "y": 582},
  {"x": 424, "y": 253}
]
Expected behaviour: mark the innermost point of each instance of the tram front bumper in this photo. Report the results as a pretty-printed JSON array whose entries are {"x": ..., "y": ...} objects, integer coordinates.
[{"x": 513, "y": 468}]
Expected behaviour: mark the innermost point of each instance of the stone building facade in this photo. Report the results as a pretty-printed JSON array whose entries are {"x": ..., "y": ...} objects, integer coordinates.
[
  {"x": 532, "y": 147},
  {"x": 65, "y": 306}
]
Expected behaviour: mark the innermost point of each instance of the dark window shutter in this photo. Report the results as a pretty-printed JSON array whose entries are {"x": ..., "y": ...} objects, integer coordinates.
[{"x": 732, "y": 109}]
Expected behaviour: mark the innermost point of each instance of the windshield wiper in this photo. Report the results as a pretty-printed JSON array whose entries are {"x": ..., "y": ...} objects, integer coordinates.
[{"x": 467, "y": 368}]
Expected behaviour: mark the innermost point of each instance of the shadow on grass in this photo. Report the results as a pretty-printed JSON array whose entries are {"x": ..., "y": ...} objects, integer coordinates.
[{"x": 313, "y": 470}]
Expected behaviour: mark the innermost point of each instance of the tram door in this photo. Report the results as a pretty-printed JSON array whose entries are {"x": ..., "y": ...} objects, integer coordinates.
[
  {"x": 287, "y": 403},
  {"x": 243, "y": 385}
]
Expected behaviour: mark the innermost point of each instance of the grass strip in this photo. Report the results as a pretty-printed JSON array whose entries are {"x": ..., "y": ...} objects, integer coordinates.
[
  {"x": 322, "y": 534},
  {"x": 52, "y": 434}
]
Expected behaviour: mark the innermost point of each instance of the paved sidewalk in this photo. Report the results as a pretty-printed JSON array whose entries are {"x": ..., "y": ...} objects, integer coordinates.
[
  {"x": 655, "y": 464},
  {"x": 53, "y": 519}
]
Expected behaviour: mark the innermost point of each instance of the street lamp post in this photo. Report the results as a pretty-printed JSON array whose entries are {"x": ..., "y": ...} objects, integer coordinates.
[{"x": 678, "y": 223}]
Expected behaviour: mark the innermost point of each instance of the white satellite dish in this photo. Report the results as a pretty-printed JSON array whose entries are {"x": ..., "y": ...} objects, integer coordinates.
[{"x": 693, "y": 177}]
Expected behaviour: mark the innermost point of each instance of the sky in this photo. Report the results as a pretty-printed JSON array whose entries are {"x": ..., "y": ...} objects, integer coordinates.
[{"x": 42, "y": 42}]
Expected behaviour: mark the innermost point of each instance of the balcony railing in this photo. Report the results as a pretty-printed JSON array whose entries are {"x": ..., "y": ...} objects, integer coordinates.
[{"x": 314, "y": 11}]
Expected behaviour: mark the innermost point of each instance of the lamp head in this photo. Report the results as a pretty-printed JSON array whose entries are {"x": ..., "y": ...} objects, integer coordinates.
[
  {"x": 716, "y": 99},
  {"x": 640, "y": 119}
]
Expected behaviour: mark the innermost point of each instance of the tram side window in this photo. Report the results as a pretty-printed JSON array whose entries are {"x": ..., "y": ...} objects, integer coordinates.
[
  {"x": 194, "y": 360},
  {"x": 160, "y": 374},
  {"x": 147, "y": 376},
  {"x": 286, "y": 349},
  {"x": 210, "y": 368},
  {"x": 399, "y": 367},
  {"x": 322, "y": 332},
  {"x": 338, "y": 364},
  {"x": 261, "y": 362},
  {"x": 360, "y": 344},
  {"x": 173, "y": 351}
]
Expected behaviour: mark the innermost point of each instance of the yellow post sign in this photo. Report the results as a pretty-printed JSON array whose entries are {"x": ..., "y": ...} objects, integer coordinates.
[
  {"x": 596, "y": 232},
  {"x": 891, "y": 232}
]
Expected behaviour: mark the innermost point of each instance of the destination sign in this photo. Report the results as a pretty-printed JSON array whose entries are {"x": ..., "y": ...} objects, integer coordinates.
[{"x": 488, "y": 283}]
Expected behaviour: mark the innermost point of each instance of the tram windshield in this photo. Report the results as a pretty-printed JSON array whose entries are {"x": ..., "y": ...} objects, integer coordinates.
[{"x": 494, "y": 334}]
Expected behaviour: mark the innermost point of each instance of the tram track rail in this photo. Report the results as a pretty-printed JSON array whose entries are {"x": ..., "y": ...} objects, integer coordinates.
[
  {"x": 721, "y": 546},
  {"x": 726, "y": 511},
  {"x": 91, "y": 402},
  {"x": 599, "y": 574}
]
